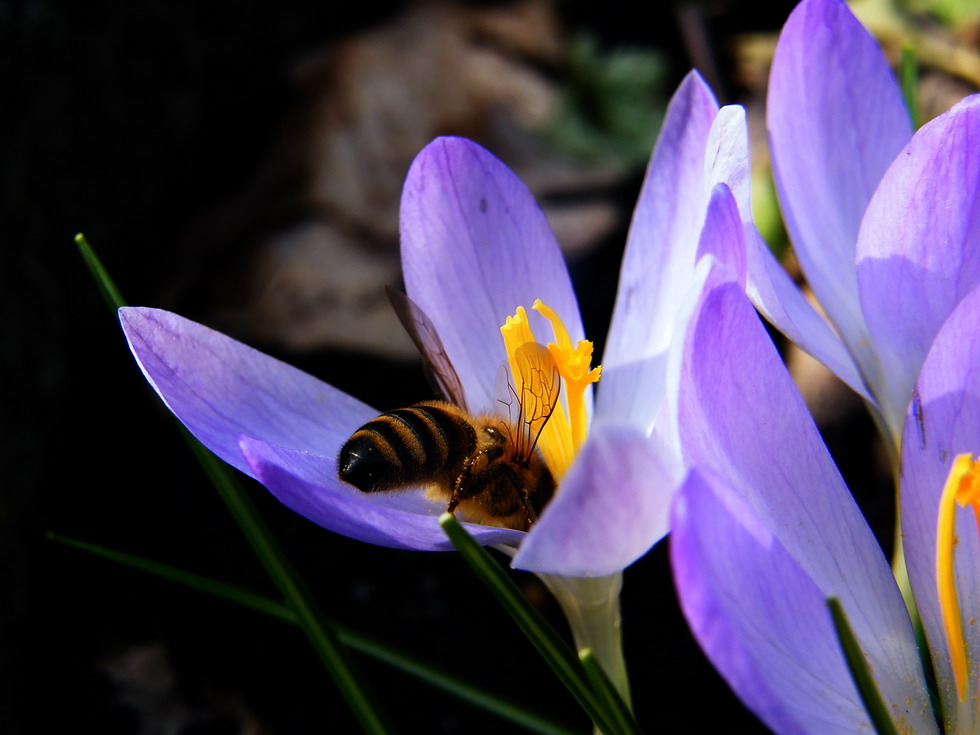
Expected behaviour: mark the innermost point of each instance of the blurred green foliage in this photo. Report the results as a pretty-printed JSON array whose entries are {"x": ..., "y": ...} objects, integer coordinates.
[
  {"x": 766, "y": 212},
  {"x": 612, "y": 103},
  {"x": 951, "y": 13}
]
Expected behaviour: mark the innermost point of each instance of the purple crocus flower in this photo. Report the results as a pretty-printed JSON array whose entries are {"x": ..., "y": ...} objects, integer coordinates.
[
  {"x": 475, "y": 247},
  {"x": 476, "y": 252},
  {"x": 764, "y": 530},
  {"x": 886, "y": 225}
]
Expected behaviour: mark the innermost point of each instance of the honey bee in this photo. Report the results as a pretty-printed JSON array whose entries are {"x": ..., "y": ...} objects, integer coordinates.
[{"x": 485, "y": 466}]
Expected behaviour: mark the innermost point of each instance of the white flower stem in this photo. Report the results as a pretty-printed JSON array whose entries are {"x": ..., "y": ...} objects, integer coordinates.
[{"x": 591, "y": 605}]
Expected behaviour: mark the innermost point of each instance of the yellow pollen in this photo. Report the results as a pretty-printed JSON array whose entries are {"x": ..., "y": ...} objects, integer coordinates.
[
  {"x": 962, "y": 488},
  {"x": 564, "y": 433}
]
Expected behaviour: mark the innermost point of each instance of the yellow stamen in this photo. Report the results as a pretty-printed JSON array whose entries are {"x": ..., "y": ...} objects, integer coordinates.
[
  {"x": 575, "y": 366},
  {"x": 555, "y": 440},
  {"x": 562, "y": 436},
  {"x": 963, "y": 488}
]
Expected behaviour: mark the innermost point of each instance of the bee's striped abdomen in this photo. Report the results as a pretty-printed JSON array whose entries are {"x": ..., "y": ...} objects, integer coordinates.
[{"x": 405, "y": 446}]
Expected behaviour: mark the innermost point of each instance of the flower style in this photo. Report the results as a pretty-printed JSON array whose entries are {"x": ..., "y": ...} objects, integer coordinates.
[
  {"x": 886, "y": 225},
  {"x": 764, "y": 531}
]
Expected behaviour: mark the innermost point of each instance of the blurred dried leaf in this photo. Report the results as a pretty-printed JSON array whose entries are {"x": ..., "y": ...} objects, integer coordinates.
[{"x": 314, "y": 278}]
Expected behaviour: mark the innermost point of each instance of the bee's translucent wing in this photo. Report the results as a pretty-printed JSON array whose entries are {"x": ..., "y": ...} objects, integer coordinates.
[
  {"x": 528, "y": 405},
  {"x": 438, "y": 369}
]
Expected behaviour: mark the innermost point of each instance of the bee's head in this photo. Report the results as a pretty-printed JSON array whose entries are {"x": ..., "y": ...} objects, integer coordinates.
[{"x": 494, "y": 435}]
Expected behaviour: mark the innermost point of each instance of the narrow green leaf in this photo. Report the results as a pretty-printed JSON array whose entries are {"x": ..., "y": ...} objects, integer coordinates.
[
  {"x": 555, "y": 651},
  {"x": 439, "y": 678},
  {"x": 294, "y": 592},
  {"x": 501, "y": 706},
  {"x": 295, "y": 595},
  {"x": 605, "y": 691},
  {"x": 909, "y": 74},
  {"x": 858, "y": 666},
  {"x": 230, "y": 592},
  {"x": 106, "y": 285}
]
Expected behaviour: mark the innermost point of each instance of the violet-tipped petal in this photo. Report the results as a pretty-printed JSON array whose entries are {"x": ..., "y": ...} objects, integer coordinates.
[
  {"x": 757, "y": 614},
  {"x": 476, "y": 245},
  {"x": 722, "y": 235},
  {"x": 220, "y": 388},
  {"x": 919, "y": 247},
  {"x": 659, "y": 258},
  {"x": 836, "y": 121},
  {"x": 741, "y": 416}
]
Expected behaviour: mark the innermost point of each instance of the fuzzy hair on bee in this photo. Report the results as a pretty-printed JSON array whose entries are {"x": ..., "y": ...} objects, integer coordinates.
[
  {"x": 486, "y": 467},
  {"x": 469, "y": 462}
]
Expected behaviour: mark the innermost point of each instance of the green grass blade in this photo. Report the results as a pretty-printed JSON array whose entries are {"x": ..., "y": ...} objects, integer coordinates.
[
  {"x": 863, "y": 678},
  {"x": 555, "y": 651},
  {"x": 623, "y": 719},
  {"x": 227, "y": 591},
  {"x": 437, "y": 677},
  {"x": 503, "y": 707},
  {"x": 293, "y": 590},
  {"x": 909, "y": 77},
  {"x": 295, "y": 595},
  {"x": 106, "y": 285}
]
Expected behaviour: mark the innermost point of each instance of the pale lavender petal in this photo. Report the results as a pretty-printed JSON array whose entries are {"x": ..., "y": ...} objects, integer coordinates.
[
  {"x": 660, "y": 255},
  {"x": 766, "y": 282},
  {"x": 836, "y": 121},
  {"x": 741, "y": 416},
  {"x": 475, "y": 246},
  {"x": 919, "y": 247},
  {"x": 943, "y": 421},
  {"x": 220, "y": 388},
  {"x": 760, "y": 618},
  {"x": 710, "y": 274},
  {"x": 403, "y": 519},
  {"x": 784, "y": 306},
  {"x": 726, "y": 158},
  {"x": 722, "y": 235},
  {"x": 768, "y": 285},
  {"x": 611, "y": 507}
]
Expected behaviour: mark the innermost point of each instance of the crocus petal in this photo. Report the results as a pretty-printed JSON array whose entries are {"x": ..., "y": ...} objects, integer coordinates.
[
  {"x": 475, "y": 246},
  {"x": 660, "y": 254},
  {"x": 919, "y": 247},
  {"x": 765, "y": 281},
  {"x": 771, "y": 289},
  {"x": 943, "y": 421},
  {"x": 784, "y": 306},
  {"x": 722, "y": 235},
  {"x": 741, "y": 416},
  {"x": 836, "y": 121},
  {"x": 611, "y": 508},
  {"x": 404, "y": 519},
  {"x": 758, "y": 615},
  {"x": 726, "y": 158},
  {"x": 220, "y": 388}
]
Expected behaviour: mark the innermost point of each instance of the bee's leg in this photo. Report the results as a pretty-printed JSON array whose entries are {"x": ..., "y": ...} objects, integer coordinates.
[
  {"x": 458, "y": 487},
  {"x": 523, "y": 495},
  {"x": 454, "y": 498},
  {"x": 532, "y": 517}
]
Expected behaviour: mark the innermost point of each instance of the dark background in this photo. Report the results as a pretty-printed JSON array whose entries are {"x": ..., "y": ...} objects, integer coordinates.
[{"x": 135, "y": 123}]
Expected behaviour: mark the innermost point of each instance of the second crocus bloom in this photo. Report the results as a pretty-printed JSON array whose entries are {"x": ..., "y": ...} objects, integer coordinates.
[{"x": 886, "y": 225}]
